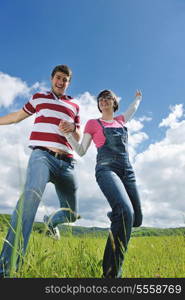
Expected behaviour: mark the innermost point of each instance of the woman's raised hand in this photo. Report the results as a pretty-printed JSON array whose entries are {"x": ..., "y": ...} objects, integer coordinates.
[{"x": 138, "y": 93}]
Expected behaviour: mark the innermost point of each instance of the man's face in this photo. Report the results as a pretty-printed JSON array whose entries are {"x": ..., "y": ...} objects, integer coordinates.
[{"x": 59, "y": 83}]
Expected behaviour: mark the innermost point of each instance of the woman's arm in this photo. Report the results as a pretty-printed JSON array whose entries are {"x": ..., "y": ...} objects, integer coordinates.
[
  {"x": 68, "y": 127},
  {"x": 81, "y": 148},
  {"x": 133, "y": 107}
]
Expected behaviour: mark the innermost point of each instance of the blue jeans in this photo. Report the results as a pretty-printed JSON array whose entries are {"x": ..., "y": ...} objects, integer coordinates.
[
  {"x": 42, "y": 168},
  {"x": 116, "y": 180}
]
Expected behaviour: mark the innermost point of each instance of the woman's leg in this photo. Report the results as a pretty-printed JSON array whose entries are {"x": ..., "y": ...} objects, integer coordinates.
[
  {"x": 132, "y": 191},
  {"x": 121, "y": 221}
]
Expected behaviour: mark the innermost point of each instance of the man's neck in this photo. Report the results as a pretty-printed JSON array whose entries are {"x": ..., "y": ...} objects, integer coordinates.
[{"x": 58, "y": 96}]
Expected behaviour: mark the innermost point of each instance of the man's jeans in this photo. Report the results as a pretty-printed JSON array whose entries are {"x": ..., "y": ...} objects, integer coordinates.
[
  {"x": 116, "y": 179},
  {"x": 42, "y": 168}
]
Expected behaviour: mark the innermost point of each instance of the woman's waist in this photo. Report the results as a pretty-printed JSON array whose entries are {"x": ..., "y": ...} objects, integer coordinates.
[
  {"x": 117, "y": 153},
  {"x": 124, "y": 157}
]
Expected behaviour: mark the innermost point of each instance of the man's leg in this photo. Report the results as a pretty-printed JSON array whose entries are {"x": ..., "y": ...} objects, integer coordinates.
[
  {"x": 36, "y": 179},
  {"x": 66, "y": 189}
]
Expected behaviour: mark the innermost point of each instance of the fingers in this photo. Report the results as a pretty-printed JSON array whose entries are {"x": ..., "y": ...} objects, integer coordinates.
[
  {"x": 66, "y": 126},
  {"x": 62, "y": 122},
  {"x": 138, "y": 93},
  {"x": 62, "y": 126},
  {"x": 64, "y": 129}
]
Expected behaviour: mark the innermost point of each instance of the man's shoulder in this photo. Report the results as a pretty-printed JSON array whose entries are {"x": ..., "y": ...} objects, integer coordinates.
[
  {"x": 67, "y": 97},
  {"x": 72, "y": 100},
  {"x": 45, "y": 95}
]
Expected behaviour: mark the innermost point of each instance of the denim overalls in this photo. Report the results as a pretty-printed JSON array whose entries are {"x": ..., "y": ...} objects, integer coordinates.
[{"x": 116, "y": 179}]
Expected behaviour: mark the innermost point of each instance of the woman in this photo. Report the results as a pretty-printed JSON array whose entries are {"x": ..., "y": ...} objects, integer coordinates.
[{"x": 114, "y": 175}]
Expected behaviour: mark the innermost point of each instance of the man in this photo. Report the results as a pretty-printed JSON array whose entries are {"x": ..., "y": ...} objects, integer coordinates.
[{"x": 51, "y": 160}]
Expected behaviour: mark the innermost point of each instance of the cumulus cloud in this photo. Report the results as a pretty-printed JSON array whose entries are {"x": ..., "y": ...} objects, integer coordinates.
[
  {"x": 135, "y": 135},
  {"x": 174, "y": 116},
  {"x": 14, "y": 142},
  {"x": 13, "y": 87},
  {"x": 159, "y": 169}
]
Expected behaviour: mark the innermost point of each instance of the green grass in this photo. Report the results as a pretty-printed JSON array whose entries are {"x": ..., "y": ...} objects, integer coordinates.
[
  {"x": 156, "y": 257},
  {"x": 81, "y": 257}
]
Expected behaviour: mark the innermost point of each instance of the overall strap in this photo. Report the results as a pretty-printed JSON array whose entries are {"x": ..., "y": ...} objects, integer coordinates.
[
  {"x": 100, "y": 123},
  {"x": 121, "y": 124},
  {"x": 103, "y": 128}
]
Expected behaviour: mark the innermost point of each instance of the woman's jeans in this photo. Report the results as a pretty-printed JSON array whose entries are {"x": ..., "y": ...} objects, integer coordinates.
[
  {"x": 42, "y": 168},
  {"x": 116, "y": 179}
]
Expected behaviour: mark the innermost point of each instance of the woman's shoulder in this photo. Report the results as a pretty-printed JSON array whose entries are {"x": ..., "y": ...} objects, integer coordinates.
[
  {"x": 91, "y": 126},
  {"x": 120, "y": 118},
  {"x": 92, "y": 122}
]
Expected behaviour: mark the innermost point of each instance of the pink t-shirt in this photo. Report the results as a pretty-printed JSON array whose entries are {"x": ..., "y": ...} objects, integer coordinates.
[{"x": 96, "y": 131}]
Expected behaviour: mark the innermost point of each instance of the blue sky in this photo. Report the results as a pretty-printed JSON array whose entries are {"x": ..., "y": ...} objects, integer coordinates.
[{"x": 122, "y": 45}]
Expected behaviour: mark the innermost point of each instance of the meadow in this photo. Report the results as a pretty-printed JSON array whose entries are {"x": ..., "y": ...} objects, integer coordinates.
[{"x": 81, "y": 257}]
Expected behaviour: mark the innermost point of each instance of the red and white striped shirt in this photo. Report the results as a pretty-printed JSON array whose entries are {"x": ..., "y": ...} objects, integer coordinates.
[{"x": 50, "y": 110}]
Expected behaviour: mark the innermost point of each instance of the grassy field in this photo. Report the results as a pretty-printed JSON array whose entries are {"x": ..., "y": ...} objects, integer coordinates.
[{"x": 81, "y": 257}]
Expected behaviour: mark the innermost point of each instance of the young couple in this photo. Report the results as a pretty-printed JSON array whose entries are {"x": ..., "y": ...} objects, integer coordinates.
[{"x": 55, "y": 133}]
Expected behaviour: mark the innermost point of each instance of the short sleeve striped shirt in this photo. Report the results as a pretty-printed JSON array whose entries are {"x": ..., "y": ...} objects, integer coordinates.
[{"x": 50, "y": 110}]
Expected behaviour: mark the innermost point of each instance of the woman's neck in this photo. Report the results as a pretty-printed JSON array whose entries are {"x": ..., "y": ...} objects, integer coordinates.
[{"x": 107, "y": 116}]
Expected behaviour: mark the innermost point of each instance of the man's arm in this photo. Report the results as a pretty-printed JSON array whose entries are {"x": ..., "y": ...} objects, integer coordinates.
[{"x": 14, "y": 117}]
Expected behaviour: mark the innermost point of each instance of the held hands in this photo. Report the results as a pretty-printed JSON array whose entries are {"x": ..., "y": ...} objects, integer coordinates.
[{"x": 66, "y": 127}]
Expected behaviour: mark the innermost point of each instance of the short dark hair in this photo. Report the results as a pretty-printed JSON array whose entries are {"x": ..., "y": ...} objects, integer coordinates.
[
  {"x": 62, "y": 68},
  {"x": 111, "y": 93}
]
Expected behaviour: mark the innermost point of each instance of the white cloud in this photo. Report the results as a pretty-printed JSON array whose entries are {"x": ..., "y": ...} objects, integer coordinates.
[
  {"x": 159, "y": 170},
  {"x": 134, "y": 125},
  {"x": 145, "y": 118},
  {"x": 12, "y": 87},
  {"x": 172, "y": 119},
  {"x": 135, "y": 136}
]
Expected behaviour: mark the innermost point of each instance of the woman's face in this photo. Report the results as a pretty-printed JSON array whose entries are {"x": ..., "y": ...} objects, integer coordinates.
[{"x": 106, "y": 102}]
